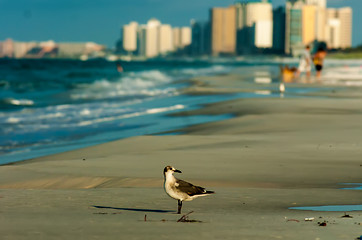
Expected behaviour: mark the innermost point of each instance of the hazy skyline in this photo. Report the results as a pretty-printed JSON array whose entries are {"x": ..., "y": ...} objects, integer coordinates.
[{"x": 100, "y": 21}]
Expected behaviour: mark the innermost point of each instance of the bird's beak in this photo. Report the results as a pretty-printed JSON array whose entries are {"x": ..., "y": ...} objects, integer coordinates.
[{"x": 178, "y": 171}]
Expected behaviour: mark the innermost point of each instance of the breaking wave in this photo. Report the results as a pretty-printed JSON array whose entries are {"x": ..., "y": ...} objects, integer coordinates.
[{"x": 147, "y": 83}]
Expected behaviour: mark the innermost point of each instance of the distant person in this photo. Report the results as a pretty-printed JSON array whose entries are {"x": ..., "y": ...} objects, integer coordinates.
[
  {"x": 305, "y": 63},
  {"x": 318, "y": 61},
  {"x": 119, "y": 68}
]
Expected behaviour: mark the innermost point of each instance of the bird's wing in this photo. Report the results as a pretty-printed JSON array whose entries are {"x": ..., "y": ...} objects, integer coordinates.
[{"x": 189, "y": 188}]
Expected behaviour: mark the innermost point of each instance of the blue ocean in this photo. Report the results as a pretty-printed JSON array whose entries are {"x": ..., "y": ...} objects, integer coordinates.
[{"x": 51, "y": 106}]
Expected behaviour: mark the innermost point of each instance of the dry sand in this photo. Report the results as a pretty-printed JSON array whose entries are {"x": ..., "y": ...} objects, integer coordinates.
[{"x": 274, "y": 154}]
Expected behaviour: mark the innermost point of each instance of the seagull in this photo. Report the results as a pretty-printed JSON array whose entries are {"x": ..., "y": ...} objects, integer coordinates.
[
  {"x": 281, "y": 87},
  {"x": 179, "y": 189}
]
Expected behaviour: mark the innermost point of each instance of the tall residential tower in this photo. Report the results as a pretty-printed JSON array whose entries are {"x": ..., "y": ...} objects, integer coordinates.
[
  {"x": 223, "y": 31},
  {"x": 254, "y": 25}
]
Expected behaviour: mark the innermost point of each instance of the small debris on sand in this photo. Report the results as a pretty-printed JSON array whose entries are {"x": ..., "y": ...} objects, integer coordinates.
[
  {"x": 293, "y": 220},
  {"x": 322, "y": 224},
  {"x": 346, "y": 216}
]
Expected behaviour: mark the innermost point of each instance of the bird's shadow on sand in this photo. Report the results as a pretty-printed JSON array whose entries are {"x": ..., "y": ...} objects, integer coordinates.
[{"x": 135, "y": 209}]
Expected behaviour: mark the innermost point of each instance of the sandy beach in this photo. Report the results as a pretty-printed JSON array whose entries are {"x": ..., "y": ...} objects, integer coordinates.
[{"x": 276, "y": 153}]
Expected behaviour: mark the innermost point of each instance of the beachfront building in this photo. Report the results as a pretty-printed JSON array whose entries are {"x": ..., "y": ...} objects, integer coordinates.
[
  {"x": 317, "y": 3},
  {"x": 314, "y": 21},
  {"x": 7, "y": 48},
  {"x": 141, "y": 40},
  {"x": 305, "y": 24},
  {"x": 200, "y": 43},
  {"x": 182, "y": 38},
  {"x": 176, "y": 34},
  {"x": 333, "y": 31},
  {"x": 279, "y": 30},
  {"x": 154, "y": 39},
  {"x": 333, "y": 26},
  {"x": 308, "y": 22},
  {"x": 259, "y": 15},
  {"x": 223, "y": 31},
  {"x": 339, "y": 28},
  {"x": 129, "y": 33},
  {"x": 80, "y": 49},
  {"x": 49, "y": 49},
  {"x": 320, "y": 24},
  {"x": 309, "y": 18},
  {"x": 293, "y": 27},
  {"x": 165, "y": 39},
  {"x": 185, "y": 37},
  {"x": 21, "y": 49},
  {"x": 254, "y": 25}
]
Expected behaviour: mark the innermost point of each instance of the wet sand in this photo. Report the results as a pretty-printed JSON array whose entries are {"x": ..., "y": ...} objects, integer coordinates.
[{"x": 274, "y": 154}]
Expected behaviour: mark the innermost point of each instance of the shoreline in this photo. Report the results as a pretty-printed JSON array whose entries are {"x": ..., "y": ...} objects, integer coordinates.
[{"x": 276, "y": 153}]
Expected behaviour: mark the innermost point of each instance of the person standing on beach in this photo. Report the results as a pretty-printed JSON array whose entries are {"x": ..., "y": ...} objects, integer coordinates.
[
  {"x": 318, "y": 61},
  {"x": 305, "y": 63}
]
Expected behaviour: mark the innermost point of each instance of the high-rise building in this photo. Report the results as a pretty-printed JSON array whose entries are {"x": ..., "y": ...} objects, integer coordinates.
[
  {"x": 223, "y": 31},
  {"x": 332, "y": 28},
  {"x": 243, "y": 40},
  {"x": 165, "y": 39},
  {"x": 141, "y": 40},
  {"x": 176, "y": 34},
  {"x": 254, "y": 23},
  {"x": 185, "y": 38},
  {"x": 129, "y": 33},
  {"x": 263, "y": 34},
  {"x": 279, "y": 29},
  {"x": 318, "y": 3},
  {"x": 339, "y": 27},
  {"x": 320, "y": 24},
  {"x": 152, "y": 38},
  {"x": 345, "y": 17},
  {"x": 309, "y": 18},
  {"x": 200, "y": 43},
  {"x": 293, "y": 27},
  {"x": 260, "y": 14},
  {"x": 308, "y": 21}
]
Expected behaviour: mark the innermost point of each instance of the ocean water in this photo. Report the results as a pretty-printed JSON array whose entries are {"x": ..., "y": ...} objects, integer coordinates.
[{"x": 51, "y": 106}]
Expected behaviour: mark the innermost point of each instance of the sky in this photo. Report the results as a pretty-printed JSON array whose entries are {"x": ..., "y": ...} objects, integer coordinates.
[{"x": 100, "y": 21}]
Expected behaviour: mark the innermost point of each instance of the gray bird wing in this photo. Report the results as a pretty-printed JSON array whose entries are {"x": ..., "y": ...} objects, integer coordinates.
[{"x": 189, "y": 188}]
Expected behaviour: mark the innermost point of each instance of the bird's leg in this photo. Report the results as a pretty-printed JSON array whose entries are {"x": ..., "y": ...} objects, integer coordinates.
[{"x": 179, "y": 207}]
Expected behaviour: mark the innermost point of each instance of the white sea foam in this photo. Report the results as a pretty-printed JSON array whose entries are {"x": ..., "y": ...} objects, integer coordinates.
[
  {"x": 51, "y": 115},
  {"x": 64, "y": 106},
  {"x": 20, "y": 102},
  {"x": 146, "y": 83},
  {"x": 85, "y": 111},
  {"x": 165, "y": 109},
  {"x": 205, "y": 71},
  {"x": 263, "y": 80},
  {"x": 130, "y": 115},
  {"x": 13, "y": 120},
  {"x": 346, "y": 75},
  {"x": 263, "y": 92}
]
